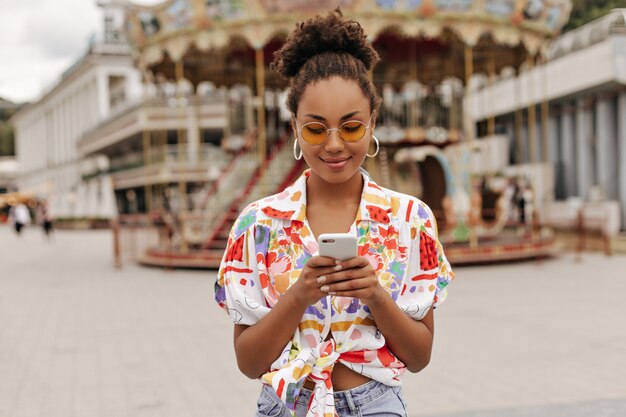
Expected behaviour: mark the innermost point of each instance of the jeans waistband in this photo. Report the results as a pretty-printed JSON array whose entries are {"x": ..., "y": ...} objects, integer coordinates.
[{"x": 349, "y": 399}]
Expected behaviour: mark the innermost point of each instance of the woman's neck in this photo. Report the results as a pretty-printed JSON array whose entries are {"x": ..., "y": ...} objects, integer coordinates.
[{"x": 323, "y": 192}]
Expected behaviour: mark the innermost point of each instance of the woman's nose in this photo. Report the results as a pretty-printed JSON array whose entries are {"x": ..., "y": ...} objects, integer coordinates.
[{"x": 334, "y": 143}]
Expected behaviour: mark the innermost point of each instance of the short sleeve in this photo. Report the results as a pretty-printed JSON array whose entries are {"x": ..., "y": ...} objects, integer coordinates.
[
  {"x": 238, "y": 289},
  {"x": 428, "y": 271}
]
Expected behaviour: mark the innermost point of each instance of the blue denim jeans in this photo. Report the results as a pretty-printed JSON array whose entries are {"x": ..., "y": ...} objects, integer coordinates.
[{"x": 372, "y": 399}]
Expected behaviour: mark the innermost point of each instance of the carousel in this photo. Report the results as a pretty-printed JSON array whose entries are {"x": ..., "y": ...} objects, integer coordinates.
[{"x": 432, "y": 53}]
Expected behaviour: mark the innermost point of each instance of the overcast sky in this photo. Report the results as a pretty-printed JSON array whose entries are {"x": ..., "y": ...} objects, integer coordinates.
[{"x": 39, "y": 39}]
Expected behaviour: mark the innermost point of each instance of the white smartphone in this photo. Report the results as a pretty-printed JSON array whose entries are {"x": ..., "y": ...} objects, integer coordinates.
[{"x": 340, "y": 246}]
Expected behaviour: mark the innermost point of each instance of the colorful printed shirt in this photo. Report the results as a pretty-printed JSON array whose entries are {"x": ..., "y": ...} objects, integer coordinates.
[{"x": 268, "y": 246}]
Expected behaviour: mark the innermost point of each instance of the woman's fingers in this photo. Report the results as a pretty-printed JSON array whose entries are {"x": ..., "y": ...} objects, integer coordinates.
[
  {"x": 320, "y": 261},
  {"x": 349, "y": 285},
  {"x": 319, "y": 267},
  {"x": 342, "y": 274},
  {"x": 356, "y": 262}
]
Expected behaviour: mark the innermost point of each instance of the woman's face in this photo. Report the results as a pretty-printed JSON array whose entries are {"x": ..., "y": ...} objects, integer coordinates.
[{"x": 332, "y": 102}]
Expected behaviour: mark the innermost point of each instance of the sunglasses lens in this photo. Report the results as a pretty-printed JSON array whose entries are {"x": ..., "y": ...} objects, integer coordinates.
[
  {"x": 314, "y": 133},
  {"x": 352, "y": 131}
]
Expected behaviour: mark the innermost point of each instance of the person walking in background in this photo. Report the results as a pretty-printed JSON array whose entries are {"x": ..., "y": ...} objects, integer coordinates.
[
  {"x": 20, "y": 216},
  {"x": 44, "y": 217},
  {"x": 329, "y": 337}
]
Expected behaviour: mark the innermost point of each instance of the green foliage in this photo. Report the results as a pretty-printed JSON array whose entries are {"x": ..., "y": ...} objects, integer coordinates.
[
  {"x": 7, "y": 136},
  {"x": 7, "y": 140},
  {"x": 584, "y": 11}
]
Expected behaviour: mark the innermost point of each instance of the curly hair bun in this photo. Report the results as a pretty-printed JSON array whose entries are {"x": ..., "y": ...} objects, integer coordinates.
[{"x": 323, "y": 34}]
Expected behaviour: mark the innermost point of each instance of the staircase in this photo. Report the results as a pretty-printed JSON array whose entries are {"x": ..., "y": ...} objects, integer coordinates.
[
  {"x": 281, "y": 169},
  {"x": 206, "y": 229},
  {"x": 198, "y": 224}
]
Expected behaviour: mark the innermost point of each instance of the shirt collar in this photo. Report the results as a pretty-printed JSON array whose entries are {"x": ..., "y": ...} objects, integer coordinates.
[{"x": 375, "y": 203}]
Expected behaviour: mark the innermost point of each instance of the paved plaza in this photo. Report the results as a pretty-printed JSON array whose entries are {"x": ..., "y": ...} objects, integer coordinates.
[{"x": 81, "y": 339}]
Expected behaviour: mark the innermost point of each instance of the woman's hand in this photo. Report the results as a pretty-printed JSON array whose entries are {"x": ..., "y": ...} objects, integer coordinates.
[
  {"x": 355, "y": 278},
  {"x": 307, "y": 289}
]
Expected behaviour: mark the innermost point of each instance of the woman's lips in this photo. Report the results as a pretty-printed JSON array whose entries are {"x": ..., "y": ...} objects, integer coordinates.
[{"x": 335, "y": 163}]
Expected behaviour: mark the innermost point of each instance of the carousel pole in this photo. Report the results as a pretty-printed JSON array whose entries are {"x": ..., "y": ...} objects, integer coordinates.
[
  {"x": 470, "y": 128},
  {"x": 182, "y": 189},
  {"x": 147, "y": 149},
  {"x": 545, "y": 113},
  {"x": 491, "y": 120},
  {"x": 469, "y": 70},
  {"x": 179, "y": 132},
  {"x": 260, "y": 86},
  {"x": 413, "y": 119},
  {"x": 517, "y": 132},
  {"x": 453, "y": 112},
  {"x": 532, "y": 113}
]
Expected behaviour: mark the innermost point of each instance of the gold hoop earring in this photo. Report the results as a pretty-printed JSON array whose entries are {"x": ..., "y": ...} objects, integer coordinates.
[
  {"x": 298, "y": 155},
  {"x": 377, "y": 147}
]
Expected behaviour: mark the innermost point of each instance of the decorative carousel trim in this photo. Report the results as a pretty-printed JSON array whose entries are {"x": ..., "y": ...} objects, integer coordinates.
[{"x": 258, "y": 34}]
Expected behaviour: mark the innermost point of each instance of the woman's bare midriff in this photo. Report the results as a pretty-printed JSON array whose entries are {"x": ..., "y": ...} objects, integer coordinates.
[{"x": 343, "y": 378}]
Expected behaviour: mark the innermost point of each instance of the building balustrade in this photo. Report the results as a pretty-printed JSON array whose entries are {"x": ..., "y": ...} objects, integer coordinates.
[
  {"x": 154, "y": 114},
  {"x": 209, "y": 158}
]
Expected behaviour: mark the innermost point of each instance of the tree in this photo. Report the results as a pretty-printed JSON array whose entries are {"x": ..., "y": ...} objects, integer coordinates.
[
  {"x": 584, "y": 11},
  {"x": 7, "y": 140}
]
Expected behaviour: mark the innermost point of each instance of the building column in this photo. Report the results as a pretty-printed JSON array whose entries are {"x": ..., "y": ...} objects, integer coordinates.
[
  {"x": 58, "y": 130},
  {"x": 568, "y": 151},
  {"x": 538, "y": 156},
  {"x": 584, "y": 162},
  {"x": 525, "y": 157},
  {"x": 551, "y": 141},
  {"x": 103, "y": 96},
  {"x": 41, "y": 132},
  {"x": 67, "y": 129},
  {"x": 606, "y": 160},
  {"x": 621, "y": 158},
  {"x": 94, "y": 104}
]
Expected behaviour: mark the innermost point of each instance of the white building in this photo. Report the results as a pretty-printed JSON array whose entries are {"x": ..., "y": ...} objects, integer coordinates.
[
  {"x": 102, "y": 140},
  {"x": 577, "y": 101},
  {"x": 100, "y": 84}
]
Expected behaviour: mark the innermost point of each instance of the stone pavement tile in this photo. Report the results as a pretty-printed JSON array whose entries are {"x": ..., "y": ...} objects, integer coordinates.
[
  {"x": 524, "y": 334},
  {"x": 601, "y": 408},
  {"x": 147, "y": 342},
  {"x": 86, "y": 401},
  {"x": 26, "y": 409},
  {"x": 113, "y": 401},
  {"x": 58, "y": 401}
]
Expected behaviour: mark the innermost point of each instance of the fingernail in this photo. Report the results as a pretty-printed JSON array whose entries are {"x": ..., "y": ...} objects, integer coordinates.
[
  {"x": 332, "y": 293},
  {"x": 324, "y": 288},
  {"x": 321, "y": 279},
  {"x": 337, "y": 261},
  {"x": 338, "y": 267}
]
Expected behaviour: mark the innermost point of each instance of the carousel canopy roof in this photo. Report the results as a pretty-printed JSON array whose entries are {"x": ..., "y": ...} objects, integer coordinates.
[{"x": 168, "y": 32}]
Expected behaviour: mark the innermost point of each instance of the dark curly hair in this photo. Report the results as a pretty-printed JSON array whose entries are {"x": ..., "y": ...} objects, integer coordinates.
[{"x": 323, "y": 47}]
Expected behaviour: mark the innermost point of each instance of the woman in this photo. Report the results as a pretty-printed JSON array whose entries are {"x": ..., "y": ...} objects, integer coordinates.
[{"x": 325, "y": 336}]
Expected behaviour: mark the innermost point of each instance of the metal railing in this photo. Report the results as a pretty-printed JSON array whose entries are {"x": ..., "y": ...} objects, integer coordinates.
[
  {"x": 198, "y": 223},
  {"x": 209, "y": 155},
  {"x": 273, "y": 175}
]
